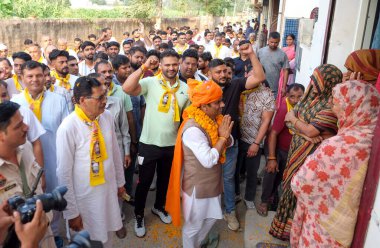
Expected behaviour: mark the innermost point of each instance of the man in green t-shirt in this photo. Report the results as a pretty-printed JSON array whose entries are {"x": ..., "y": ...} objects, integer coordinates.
[{"x": 166, "y": 97}]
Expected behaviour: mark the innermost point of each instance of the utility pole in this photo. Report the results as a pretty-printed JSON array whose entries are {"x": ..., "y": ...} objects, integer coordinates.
[{"x": 159, "y": 14}]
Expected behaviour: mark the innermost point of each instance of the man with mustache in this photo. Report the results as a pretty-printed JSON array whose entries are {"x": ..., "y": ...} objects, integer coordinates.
[
  {"x": 89, "y": 164},
  {"x": 166, "y": 96},
  {"x": 87, "y": 65},
  {"x": 50, "y": 109},
  {"x": 189, "y": 66},
  {"x": 15, "y": 84},
  {"x": 60, "y": 70},
  {"x": 231, "y": 97}
]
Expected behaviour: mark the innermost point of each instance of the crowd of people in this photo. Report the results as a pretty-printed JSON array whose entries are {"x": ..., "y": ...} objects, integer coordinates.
[{"x": 192, "y": 113}]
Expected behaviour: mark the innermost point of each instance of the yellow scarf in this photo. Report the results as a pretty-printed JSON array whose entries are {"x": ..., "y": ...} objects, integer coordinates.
[
  {"x": 63, "y": 81},
  {"x": 35, "y": 105},
  {"x": 289, "y": 107},
  {"x": 40, "y": 59},
  {"x": 98, "y": 151},
  {"x": 217, "y": 50},
  {"x": 166, "y": 97},
  {"x": 243, "y": 99},
  {"x": 17, "y": 83},
  {"x": 181, "y": 50},
  {"x": 110, "y": 89},
  {"x": 158, "y": 72},
  {"x": 51, "y": 88}
]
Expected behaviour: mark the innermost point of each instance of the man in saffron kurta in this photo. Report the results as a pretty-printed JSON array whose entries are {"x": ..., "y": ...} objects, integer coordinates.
[
  {"x": 200, "y": 151},
  {"x": 89, "y": 164}
]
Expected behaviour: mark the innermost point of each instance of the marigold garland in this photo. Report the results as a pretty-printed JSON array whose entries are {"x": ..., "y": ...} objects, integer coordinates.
[{"x": 210, "y": 126}]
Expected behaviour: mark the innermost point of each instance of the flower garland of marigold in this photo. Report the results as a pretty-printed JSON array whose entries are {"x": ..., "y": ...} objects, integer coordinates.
[{"x": 210, "y": 126}]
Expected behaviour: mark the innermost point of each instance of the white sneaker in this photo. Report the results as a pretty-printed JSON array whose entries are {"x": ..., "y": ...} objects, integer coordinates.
[
  {"x": 249, "y": 204},
  {"x": 164, "y": 216},
  {"x": 232, "y": 221},
  {"x": 139, "y": 226}
]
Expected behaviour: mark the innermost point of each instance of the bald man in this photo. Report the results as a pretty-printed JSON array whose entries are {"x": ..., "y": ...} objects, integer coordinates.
[{"x": 62, "y": 45}]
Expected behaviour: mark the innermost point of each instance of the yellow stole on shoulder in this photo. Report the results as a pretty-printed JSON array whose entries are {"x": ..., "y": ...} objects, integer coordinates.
[
  {"x": 40, "y": 59},
  {"x": 166, "y": 97},
  {"x": 110, "y": 89},
  {"x": 35, "y": 105},
  {"x": 217, "y": 50},
  {"x": 17, "y": 83},
  {"x": 289, "y": 107},
  {"x": 63, "y": 81},
  {"x": 98, "y": 151}
]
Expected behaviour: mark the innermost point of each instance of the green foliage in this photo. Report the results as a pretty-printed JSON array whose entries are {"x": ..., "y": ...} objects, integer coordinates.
[
  {"x": 39, "y": 8},
  {"x": 92, "y": 13},
  {"x": 99, "y": 2},
  {"x": 6, "y": 8},
  {"x": 216, "y": 7},
  {"x": 141, "y": 8}
]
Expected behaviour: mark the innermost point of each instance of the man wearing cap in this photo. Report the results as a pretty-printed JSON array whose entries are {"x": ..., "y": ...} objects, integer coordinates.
[{"x": 199, "y": 153}]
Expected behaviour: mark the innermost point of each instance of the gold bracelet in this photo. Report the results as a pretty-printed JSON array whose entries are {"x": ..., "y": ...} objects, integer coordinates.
[
  {"x": 271, "y": 158},
  {"x": 223, "y": 138}
]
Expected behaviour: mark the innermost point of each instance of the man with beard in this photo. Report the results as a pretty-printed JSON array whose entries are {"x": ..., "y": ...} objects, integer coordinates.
[
  {"x": 113, "y": 49},
  {"x": 15, "y": 84},
  {"x": 203, "y": 61},
  {"x": 89, "y": 164},
  {"x": 127, "y": 45},
  {"x": 49, "y": 85},
  {"x": 166, "y": 97},
  {"x": 231, "y": 97},
  {"x": 188, "y": 68},
  {"x": 58, "y": 60},
  {"x": 50, "y": 109},
  {"x": 87, "y": 65}
]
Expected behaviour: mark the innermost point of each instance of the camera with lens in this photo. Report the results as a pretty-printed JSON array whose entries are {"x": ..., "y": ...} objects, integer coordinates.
[{"x": 50, "y": 201}]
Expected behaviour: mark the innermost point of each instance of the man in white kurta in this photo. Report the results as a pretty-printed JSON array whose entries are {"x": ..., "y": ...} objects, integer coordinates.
[
  {"x": 201, "y": 158},
  {"x": 96, "y": 207}
]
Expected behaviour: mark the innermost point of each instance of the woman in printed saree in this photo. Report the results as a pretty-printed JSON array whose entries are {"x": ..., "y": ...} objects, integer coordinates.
[
  {"x": 329, "y": 185},
  {"x": 311, "y": 121}
]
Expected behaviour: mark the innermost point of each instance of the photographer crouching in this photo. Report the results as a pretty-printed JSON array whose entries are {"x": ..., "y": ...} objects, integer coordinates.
[{"x": 18, "y": 176}]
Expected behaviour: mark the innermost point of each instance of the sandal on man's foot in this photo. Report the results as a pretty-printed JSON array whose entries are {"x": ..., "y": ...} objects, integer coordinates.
[{"x": 262, "y": 209}]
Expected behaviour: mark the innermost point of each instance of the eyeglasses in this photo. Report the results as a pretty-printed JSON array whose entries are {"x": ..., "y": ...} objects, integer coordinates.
[{"x": 99, "y": 98}]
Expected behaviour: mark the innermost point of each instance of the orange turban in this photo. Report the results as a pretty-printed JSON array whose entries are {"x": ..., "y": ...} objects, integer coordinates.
[
  {"x": 366, "y": 61},
  {"x": 203, "y": 93}
]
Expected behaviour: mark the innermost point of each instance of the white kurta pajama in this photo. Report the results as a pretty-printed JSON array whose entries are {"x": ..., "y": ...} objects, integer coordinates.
[
  {"x": 98, "y": 206},
  {"x": 199, "y": 214}
]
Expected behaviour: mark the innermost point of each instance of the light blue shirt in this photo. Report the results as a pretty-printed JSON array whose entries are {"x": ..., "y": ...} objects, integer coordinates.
[{"x": 54, "y": 110}]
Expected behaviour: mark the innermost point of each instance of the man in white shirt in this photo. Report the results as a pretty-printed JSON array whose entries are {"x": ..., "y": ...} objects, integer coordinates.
[
  {"x": 218, "y": 51},
  {"x": 91, "y": 168},
  {"x": 58, "y": 60},
  {"x": 198, "y": 157},
  {"x": 62, "y": 45},
  {"x": 208, "y": 41},
  {"x": 87, "y": 65}
]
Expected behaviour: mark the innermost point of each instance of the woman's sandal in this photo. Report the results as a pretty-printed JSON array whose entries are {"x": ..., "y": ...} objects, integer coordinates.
[{"x": 262, "y": 209}]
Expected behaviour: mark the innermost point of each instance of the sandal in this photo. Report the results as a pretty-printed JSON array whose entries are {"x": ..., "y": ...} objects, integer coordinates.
[{"x": 262, "y": 209}]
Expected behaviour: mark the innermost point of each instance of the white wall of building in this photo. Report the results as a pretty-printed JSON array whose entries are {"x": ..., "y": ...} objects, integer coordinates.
[
  {"x": 348, "y": 30},
  {"x": 348, "y": 33}
]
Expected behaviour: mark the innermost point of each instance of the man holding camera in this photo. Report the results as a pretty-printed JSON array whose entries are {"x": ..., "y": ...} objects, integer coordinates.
[{"x": 18, "y": 172}]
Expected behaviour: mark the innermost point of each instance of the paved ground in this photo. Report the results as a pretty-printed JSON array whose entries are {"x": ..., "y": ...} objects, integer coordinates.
[
  {"x": 254, "y": 228},
  {"x": 160, "y": 235}
]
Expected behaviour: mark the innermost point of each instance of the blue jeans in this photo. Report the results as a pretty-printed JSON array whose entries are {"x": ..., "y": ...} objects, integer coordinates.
[{"x": 229, "y": 177}]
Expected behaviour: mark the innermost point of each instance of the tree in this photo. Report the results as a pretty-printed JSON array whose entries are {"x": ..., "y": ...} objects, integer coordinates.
[{"x": 215, "y": 7}]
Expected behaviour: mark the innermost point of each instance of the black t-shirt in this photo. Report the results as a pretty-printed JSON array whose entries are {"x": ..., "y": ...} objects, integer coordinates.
[
  {"x": 231, "y": 99},
  {"x": 241, "y": 66}
]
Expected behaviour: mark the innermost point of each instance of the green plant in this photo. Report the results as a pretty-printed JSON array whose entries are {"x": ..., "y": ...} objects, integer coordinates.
[{"x": 6, "y": 8}]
